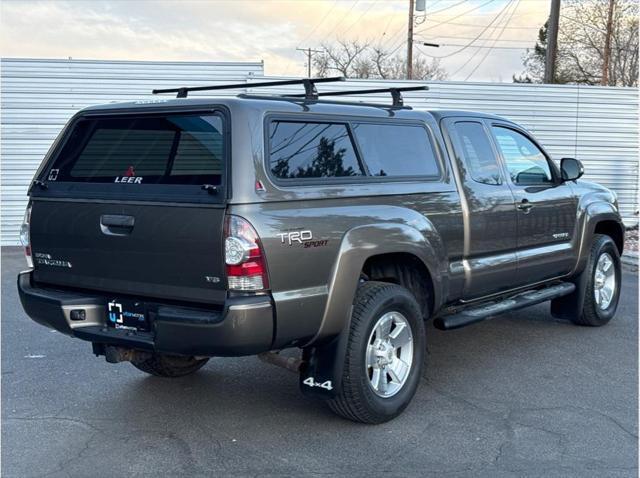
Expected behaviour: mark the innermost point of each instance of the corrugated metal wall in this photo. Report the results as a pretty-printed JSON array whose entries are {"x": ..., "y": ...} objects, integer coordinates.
[
  {"x": 595, "y": 124},
  {"x": 598, "y": 125},
  {"x": 39, "y": 96}
]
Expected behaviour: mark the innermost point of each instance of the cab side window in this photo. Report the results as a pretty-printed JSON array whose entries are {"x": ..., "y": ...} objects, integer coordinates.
[
  {"x": 524, "y": 160},
  {"x": 479, "y": 157},
  {"x": 308, "y": 150},
  {"x": 397, "y": 150}
]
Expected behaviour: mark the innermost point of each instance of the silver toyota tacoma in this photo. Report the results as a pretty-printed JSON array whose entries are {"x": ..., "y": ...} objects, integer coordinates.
[{"x": 168, "y": 232}]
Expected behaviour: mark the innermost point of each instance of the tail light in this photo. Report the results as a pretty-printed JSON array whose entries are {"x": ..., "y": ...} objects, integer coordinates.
[
  {"x": 243, "y": 255},
  {"x": 25, "y": 237}
]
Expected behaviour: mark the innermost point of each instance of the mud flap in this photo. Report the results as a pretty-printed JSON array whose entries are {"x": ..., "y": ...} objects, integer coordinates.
[
  {"x": 323, "y": 364},
  {"x": 570, "y": 306}
]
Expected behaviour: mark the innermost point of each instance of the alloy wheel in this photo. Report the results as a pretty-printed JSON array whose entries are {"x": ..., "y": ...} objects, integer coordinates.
[{"x": 389, "y": 354}]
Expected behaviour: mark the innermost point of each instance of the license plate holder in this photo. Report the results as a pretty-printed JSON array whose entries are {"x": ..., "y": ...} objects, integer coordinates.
[{"x": 127, "y": 314}]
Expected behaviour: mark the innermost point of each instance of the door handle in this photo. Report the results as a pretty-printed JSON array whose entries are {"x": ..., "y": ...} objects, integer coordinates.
[
  {"x": 116, "y": 224},
  {"x": 525, "y": 206}
]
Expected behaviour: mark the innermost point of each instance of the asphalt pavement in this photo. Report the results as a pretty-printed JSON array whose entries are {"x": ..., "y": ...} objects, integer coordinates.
[{"x": 519, "y": 395}]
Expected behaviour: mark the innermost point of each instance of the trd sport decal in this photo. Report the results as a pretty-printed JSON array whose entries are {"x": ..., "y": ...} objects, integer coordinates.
[
  {"x": 295, "y": 236},
  {"x": 301, "y": 237}
]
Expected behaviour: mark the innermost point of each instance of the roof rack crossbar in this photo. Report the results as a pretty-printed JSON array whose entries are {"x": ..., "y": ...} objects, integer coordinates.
[
  {"x": 300, "y": 100},
  {"x": 310, "y": 91},
  {"x": 396, "y": 93}
]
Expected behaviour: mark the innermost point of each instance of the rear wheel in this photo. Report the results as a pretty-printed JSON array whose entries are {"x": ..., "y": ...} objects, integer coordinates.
[
  {"x": 162, "y": 365},
  {"x": 385, "y": 354}
]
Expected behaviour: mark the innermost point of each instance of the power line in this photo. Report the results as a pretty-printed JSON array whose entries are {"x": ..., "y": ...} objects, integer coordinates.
[
  {"x": 384, "y": 32},
  {"x": 457, "y": 16},
  {"x": 402, "y": 43},
  {"x": 447, "y": 8},
  {"x": 494, "y": 42},
  {"x": 477, "y": 51},
  {"x": 358, "y": 19},
  {"x": 574, "y": 20},
  {"x": 464, "y": 47},
  {"x": 286, "y": 69},
  {"x": 313, "y": 30},
  {"x": 479, "y": 46},
  {"x": 402, "y": 30},
  {"x": 479, "y": 26},
  {"x": 471, "y": 38},
  {"x": 393, "y": 37},
  {"x": 342, "y": 19}
]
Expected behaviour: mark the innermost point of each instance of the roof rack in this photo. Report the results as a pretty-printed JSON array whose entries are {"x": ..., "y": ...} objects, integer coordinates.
[
  {"x": 305, "y": 103},
  {"x": 310, "y": 92},
  {"x": 396, "y": 93}
]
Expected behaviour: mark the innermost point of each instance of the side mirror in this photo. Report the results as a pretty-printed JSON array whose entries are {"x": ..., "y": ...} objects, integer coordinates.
[{"x": 571, "y": 169}]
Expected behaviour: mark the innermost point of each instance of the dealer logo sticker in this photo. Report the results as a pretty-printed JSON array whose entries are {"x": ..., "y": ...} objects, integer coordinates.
[{"x": 115, "y": 312}]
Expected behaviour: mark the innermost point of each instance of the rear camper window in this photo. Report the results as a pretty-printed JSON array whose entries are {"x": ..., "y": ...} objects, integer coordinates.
[{"x": 175, "y": 149}]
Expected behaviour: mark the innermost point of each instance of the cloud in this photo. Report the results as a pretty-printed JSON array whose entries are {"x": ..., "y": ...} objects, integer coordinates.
[{"x": 252, "y": 30}]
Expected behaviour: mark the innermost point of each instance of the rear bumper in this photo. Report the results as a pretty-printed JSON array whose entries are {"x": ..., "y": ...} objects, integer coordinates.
[{"x": 244, "y": 326}]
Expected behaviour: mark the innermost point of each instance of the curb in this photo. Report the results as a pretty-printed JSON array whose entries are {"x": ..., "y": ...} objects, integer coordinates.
[{"x": 630, "y": 260}]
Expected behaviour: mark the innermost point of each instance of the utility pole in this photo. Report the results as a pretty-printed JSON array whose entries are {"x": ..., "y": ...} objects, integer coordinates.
[
  {"x": 309, "y": 52},
  {"x": 606, "y": 56},
  {"x": 552, "y": 42},
  {"x": 410, "y": 41}
]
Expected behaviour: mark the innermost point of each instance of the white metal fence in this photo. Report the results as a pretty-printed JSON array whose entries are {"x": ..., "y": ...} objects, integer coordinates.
[
  {"x": 598, "y": 125},
  {"x": 39, "y": 96}
]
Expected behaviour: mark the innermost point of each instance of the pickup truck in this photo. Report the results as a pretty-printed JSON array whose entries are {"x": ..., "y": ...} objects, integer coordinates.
[{"x": 167, "y": 232}]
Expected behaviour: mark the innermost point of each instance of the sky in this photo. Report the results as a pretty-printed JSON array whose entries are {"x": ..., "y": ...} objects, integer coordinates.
[{"x": 480, "y": 40}]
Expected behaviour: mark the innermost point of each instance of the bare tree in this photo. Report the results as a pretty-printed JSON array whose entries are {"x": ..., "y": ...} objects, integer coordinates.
[
  {"x": 428, "y": 70},
  {"x": 581, "y": 44},
  {"x": 363, "y": 68},
  {"x": 341, "y": 57},
  {"x": 379, "y": 58},
  {"x": 362, "y": 60}
]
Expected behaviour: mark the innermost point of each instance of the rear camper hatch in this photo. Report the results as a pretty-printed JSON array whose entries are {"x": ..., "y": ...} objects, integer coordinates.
[{"x": 134, "y": 204}]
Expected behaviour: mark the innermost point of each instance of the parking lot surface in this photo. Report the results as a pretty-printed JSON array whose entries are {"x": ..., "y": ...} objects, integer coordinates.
[{"x": 519, "y": 395}]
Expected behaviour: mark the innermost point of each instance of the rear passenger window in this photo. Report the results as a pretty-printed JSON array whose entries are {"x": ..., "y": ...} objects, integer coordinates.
[
  {"x": 482, "y": 164},
  {"x": 396, "y": 150},
  {"x": 312, "y": 150}
]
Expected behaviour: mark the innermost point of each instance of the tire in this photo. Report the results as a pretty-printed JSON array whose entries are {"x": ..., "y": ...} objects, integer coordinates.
[
  {"x": 596, "y": 312},
  {"x": 377, "y": 303},
  {"x": 171, "y": 366}
]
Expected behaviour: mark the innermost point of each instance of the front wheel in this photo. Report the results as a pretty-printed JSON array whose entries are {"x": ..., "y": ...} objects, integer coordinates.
[
  {"x": 385, "y": 354},
  {"x": 603, "y": 284}
]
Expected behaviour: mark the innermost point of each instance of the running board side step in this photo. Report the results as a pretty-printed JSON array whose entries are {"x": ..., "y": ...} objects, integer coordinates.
[{"x": 478, "y": 313}]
